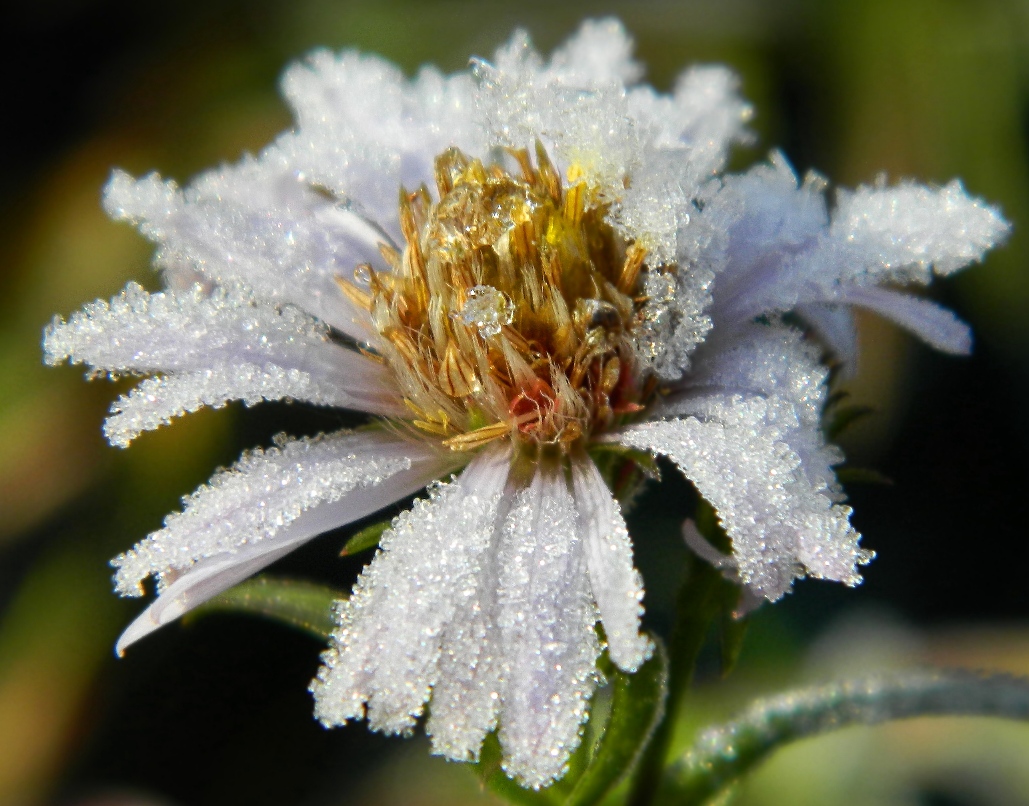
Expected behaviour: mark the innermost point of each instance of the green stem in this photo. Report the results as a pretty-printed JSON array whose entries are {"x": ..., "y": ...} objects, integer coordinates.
[
  {"x": 723, "y": 754},
  {"x": 696, "y": 609}
]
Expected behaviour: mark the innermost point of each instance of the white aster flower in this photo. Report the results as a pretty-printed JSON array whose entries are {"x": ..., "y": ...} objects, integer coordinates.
[{"x": 563, "y": 270}]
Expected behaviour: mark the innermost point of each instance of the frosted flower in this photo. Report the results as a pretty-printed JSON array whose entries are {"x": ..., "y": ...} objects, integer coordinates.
[{"x": 563, "y": 273}]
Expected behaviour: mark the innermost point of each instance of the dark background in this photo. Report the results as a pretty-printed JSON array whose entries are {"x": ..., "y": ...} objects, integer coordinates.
[{"x": 216, "y": 711}]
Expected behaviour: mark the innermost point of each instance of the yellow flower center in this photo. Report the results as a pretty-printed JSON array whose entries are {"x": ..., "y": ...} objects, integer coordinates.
[{"x": 511, "y": 309}]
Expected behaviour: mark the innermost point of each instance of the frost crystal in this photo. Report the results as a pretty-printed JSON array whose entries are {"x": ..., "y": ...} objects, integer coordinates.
[
  {"x": 566, "y": 266},
  {"x": 487, "y": 310}
]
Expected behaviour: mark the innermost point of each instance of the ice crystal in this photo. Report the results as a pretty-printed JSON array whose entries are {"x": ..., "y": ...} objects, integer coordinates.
[{"x": 566, "y": 266}]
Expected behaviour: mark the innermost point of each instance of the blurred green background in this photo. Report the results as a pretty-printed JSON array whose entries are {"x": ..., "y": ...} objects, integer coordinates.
[{"x": 216, "y": 711}]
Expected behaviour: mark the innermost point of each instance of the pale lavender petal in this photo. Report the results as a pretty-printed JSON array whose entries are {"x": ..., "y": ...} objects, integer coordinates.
[
  {"x": 157, "y": 401},
  {"x": 600, "y": 52},
  {"x": 932, "y": 323},
  {"x": 616, "y": 585},
  {"x": 780, "y": 249},
  {"x": 181, "y": 591},
  {"x": 834, "y": 326},
  {"x": 546, "y": 617},
  {"x": 261, "y": 224},
  {"x": 385, "y": 654},
  {"x": 766, "y": 221}
]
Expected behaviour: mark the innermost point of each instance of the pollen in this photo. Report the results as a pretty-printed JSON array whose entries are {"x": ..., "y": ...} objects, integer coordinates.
[{"x": 509, "y": 312}]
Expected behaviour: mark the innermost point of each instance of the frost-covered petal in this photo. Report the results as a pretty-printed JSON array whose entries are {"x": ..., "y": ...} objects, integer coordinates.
[
  {"x": 782, "y": 525},
  {"x": 645, "y": 154},
  {"x": 157, "y": 401},
  {"x": 781, "y": 248},
  {"x": 278, "y": 497},
  {"x": 258, "y": 223},
  {"x": 218, "y": 346},
  {"x": 364, "y": 130},
  {"x": 616, "y": 585},
  {"x": 466, "y": 697},
  {"x": 906, "y": 229},
  {"x": 546, "y": 617},
  {"x": 192, "y": 329},
  {"x": 386, "y": 651},
  {"x": 598, "y": 53},
  {"x": 778, "y": 364}
]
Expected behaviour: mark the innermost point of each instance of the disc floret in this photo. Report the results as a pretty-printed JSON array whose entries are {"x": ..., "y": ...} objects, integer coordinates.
[{"x": 510, "y": 310}]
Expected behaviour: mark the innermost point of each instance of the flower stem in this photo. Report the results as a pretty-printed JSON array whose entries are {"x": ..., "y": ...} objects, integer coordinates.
[
  {"x": 696, "y": 609},
  {"x": 724, "y": 753}
]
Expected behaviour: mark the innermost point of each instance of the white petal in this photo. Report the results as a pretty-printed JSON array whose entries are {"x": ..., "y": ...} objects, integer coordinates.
[
  {"x": 466, "y": 697},
  {"x": 616, "y": 585},
  {"x": 344, "y": 476},
  {"x": 932, "y": 323},
  {"x": 546, "y": 618},
  {"x": 386, "y": 651},
  {"x": 780, "y": 365},
  {"x": 182, "y": 590},
  {"x": 781, "y": 523}
]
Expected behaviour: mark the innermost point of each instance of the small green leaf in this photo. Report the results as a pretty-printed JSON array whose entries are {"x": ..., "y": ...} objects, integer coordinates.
[
  {"x": 367, "y": 538},
  {"x": 841, "y": 417},
  {"x": 637, "y": 707},
  {"x": 303, "y": 605}
]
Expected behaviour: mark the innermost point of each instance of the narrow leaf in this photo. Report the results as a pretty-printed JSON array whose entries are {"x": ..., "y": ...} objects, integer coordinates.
[
  {"x": 732, "y": 631},
  {"x": 724, "y": 753},
  {"x": 367, "y": 538},
  {"x": 303, "y": 605},
  {"x": 637, "y": 707}
]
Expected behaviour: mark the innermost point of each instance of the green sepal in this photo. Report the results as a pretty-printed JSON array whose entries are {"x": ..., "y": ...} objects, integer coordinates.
[
  {"x": 367, "y": 538},
  {"x": 637, "y": 708},
  {"x": 303, "y": 605}
]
